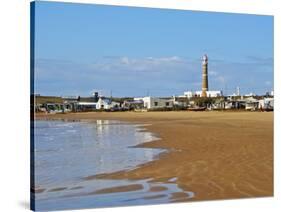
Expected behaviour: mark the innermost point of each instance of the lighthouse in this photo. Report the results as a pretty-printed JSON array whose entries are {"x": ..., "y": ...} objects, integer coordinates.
[{"x": 204, "y": 75}]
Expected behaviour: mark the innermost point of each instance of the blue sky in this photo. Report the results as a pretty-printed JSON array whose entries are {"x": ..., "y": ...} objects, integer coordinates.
[{"x": 129, "y": 51}]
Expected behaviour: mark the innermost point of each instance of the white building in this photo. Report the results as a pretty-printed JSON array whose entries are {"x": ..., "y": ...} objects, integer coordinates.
[
  {"x": 106, "y": 103},
  {"x": 190, "y": 94},
  {"x": 156, "y": 102},
  {"x": 266, "y": 103},
  {"x": 102, "y": 103},
  {"x": 251, "y": 103}
]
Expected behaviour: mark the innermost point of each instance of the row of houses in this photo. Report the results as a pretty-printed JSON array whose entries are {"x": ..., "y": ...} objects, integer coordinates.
[
  {"x": 98, "y": 103},
  {"x": 216, "y": 103},
  {"x": 250, "y": 103},
  {"x": 72, "y": 104}
]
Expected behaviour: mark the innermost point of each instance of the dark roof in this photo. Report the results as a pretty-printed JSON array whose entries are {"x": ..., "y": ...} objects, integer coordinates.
[{"x": 88, "y": 99}]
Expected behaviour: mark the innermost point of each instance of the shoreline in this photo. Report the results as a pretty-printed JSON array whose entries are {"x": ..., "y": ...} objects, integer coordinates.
[{"x": 216, "y": 155}]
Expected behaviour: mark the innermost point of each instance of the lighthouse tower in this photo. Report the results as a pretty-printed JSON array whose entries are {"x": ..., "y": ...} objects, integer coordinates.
[{"x": 204, "y": 75}]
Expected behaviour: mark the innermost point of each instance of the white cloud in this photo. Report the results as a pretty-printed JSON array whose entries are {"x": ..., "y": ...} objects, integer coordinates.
[
  {"x": 267, "y": 83},
  {"x": 213, "y": 73},
  {"x": 172, "y": 73},
  {"x": 221, "y": 79},
  {"x": 125, "y": 60},
  {"x": 151, "y": 64}
]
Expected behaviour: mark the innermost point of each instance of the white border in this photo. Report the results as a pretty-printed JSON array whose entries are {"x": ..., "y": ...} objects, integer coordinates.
[{"x": 14, "y": 107}]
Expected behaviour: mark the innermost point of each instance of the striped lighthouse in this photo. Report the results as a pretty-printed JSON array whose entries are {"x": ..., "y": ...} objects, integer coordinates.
[{"x": 204, "y": 75}]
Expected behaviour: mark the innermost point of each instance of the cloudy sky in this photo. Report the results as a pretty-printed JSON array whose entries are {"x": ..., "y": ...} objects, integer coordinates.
[{"x": 126, "y": 51}]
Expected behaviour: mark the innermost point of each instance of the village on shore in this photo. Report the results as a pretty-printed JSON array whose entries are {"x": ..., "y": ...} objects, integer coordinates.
[{"x": 192, "y": 101}]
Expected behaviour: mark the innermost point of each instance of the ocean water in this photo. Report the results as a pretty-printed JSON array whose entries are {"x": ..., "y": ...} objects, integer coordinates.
[{"x": 66, "y": 153}]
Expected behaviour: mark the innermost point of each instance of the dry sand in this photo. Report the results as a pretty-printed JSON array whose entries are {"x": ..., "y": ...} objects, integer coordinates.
[{"x": 216, "y": 155}]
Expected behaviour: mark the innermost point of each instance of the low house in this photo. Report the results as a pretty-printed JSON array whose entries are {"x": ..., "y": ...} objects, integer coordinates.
[
  {"x": 54, "y": 107},
  {"x": 85, "y": 104},
  {"x": 251, "y": 103},
  {"x": 234, "y": 104},
  {"x": 105, "y": 103},
  {"x": 266, "y": 104},
  {"x": 50, "y": 104},
  {"x": 133, "y": 104},
  {"x": 180, "y": 102},
  {"x": 154, "y": 103},
  {"x": 70, "y": 103},
  {"x": 80, "y": 104}
]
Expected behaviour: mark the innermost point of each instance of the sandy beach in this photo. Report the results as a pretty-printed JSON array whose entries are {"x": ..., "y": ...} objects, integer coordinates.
[{"x": 216, "y": 155}]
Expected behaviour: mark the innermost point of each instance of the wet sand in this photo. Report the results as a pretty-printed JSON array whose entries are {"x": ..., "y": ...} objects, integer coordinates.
[
  {"x": 216, "y": 155},
  {"x": 133, "y": 187}
]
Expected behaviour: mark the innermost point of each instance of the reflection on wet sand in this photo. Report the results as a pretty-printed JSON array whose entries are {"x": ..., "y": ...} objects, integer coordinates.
[
  {"x": 103, "y": 193},
  {"x": 133, "y": 187},
  {"x": 70, "y": 155}
]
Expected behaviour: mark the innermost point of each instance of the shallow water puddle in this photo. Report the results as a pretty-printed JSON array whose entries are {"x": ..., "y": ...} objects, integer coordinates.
[{"x": 66, "y": 152}]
